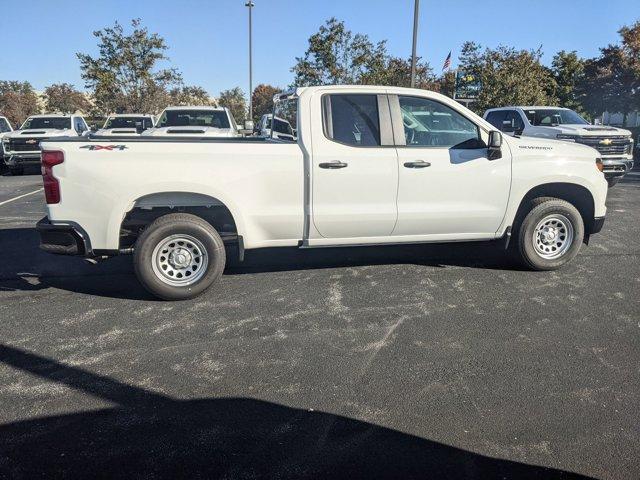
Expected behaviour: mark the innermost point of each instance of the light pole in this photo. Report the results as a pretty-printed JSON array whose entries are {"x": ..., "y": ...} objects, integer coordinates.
[
  {"x": 250, "y": 5},
  {"x": 416, "y": 7}
]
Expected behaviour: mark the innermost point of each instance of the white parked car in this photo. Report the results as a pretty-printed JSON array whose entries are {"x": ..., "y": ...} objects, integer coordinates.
[
  {"x": 280, "y": 128},
  {"x": 125, "y": 124},
  {"x": 370, "y": 166},
  {"x": 194, "y": 122},
  {"x": 22, "y": 146},
  {"x": 615, "y": 145}
]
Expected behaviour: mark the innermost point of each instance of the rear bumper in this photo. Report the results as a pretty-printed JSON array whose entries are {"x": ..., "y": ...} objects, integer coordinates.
[{"x": 63, "y": 238}]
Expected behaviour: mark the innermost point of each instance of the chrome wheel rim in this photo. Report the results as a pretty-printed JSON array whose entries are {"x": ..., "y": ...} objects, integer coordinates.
[
  {"x": 553, "y": 236},
  {"x": 179, "y": 260}
]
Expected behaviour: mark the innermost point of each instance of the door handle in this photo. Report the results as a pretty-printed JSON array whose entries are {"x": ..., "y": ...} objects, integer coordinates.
[
  {"x": 417, "y": 164},
  {"x": 333, "y": 165}
]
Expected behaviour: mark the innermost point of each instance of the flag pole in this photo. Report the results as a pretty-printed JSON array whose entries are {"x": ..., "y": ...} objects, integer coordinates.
[{"x": 416, "y": 7}]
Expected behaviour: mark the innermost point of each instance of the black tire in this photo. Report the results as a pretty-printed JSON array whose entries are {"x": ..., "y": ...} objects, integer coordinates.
[
  {"x": 16, "y": 172},
  {"x": 553, "y": 208},
  {"x": 613, "y": 181},
  {"x": 158, "y": 232}
]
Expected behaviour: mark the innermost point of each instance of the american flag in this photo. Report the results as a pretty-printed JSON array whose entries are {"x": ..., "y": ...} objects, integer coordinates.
[{"x": 447, "y": 62}]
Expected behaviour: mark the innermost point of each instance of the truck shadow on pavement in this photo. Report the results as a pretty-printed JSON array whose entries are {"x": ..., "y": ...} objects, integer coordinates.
[
  {"x": 151, "y": 435},
  {"x": 26, "y": 267}
]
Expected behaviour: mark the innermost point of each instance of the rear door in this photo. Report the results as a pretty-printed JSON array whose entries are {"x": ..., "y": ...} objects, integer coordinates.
[
  {"x": 355, "y": 169},
  {"x": 447, "y": 185}
]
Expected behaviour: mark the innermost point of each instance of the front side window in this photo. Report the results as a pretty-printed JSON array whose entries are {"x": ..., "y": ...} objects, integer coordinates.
[
  {"x": 194, "y": 118},
  {"x": 428, "y": 123},
  {"x": 352, "y": 119},
  {"x": 56, "y": 123},
  {"x": 551, "y": 117},
  {"x": 496, "y": 118},
  {"x": 512, "y": 122},
  {"x": 4, "y": 126}
]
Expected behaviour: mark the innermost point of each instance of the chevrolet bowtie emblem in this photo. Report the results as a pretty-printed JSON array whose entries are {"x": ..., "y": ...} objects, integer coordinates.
[
  {"x": 606, "y": 141},
  {"x": 32, "y": 141}
]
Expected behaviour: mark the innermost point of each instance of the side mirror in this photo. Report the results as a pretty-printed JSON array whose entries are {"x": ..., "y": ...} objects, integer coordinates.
[
  {"x": 507, "y": 126},
  {"x": 248, "y": 125},
  {"x": 495, "y": 144},
  {"x": 139, "y": 128}
]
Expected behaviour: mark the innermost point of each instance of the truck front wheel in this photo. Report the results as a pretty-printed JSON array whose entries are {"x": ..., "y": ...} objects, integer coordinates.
[
  {"x": 550, "y": 235},
  {"x": 178, "y": 256}
]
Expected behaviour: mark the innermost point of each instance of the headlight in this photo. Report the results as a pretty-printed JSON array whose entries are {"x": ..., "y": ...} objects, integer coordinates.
[{"x": 562, "y": 136}]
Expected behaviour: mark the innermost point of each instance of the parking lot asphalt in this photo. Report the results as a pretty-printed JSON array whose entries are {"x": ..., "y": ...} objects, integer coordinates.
[{"x": 422, "y": 361}]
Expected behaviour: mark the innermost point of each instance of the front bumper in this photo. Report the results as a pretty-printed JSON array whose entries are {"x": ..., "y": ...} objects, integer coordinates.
[
  {"x": 21, "y": 159},
  {"x": 616, "y": 167},
  {"x": 63, "y": 238}
]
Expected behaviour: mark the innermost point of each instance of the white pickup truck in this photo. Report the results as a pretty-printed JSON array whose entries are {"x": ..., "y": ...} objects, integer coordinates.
[
  {"x": 370, "y": 166},
  {"x": 615, "y": 145},
  {"x": 196, "y": 122},
  {"x": 22, "y": 147}
]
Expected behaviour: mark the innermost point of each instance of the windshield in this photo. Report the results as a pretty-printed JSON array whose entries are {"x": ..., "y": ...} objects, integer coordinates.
[
  {"x": 123, "y": 122},
  {"x": 57, "y": 123},
  {"x": 194, "y": 118},
  {"x": 4, "y": 125},
  {"x": 551, "y": 117}
]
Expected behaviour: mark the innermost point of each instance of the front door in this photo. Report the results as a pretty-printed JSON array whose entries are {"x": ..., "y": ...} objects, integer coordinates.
[
  {"x": 355, "y": 169},
  {"x": 447, "y": 185}
]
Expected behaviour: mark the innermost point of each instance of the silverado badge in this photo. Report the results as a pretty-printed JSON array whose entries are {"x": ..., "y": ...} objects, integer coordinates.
[
  {"x": 104, "y": 147},
  {"x": 606, "y": 141},
  {"x": 31, "y": 141}
]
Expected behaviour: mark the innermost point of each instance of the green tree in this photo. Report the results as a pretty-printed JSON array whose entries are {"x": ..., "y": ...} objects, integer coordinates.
[
  {"x": 64, "y": 98},
  {"x": 508, "y": 76},
  {"x": 189, "y": 95},
  {"x": 612, "y": 80},
  {"x": 125, "y": 76},
  {"x": 395, "y": 71},
  {"x": 262, "y": 99},
  {"x": 236, "y": 102},
  {"x": 336, "y": 56},
  {"x": 18, "y": 100},
  {"x": 568, "y": 72}
]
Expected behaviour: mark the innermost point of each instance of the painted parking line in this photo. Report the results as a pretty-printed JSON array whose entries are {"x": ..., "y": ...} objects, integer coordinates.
[{"x": 20, "y": 196}]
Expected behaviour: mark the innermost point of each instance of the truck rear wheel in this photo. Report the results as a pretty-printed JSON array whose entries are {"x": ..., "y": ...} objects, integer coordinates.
[
  {"x": 550, "y": 235},
  {"x": 178, "y": 256}
]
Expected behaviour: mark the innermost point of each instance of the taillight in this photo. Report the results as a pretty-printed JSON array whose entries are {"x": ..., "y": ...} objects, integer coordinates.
[{"x": 51, "y": 184}]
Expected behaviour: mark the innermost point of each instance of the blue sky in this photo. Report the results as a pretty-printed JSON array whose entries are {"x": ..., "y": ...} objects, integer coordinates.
[{"x": 208, "y": 39}]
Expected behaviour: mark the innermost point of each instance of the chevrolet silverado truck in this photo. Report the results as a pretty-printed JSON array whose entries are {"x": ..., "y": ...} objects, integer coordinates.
[
  {"x": 125, "y": 124},
  {"x": 194, "y": 122},
  {"x": 22, "y": 146},
  {"x": 370, "y": 166},
  {"x": 614, "y": 145}
]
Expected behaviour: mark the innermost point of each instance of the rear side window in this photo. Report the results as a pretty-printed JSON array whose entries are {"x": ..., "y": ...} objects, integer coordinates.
[
  {"x": 496, "y": 117},
  {"x": 352, "y": 119}
]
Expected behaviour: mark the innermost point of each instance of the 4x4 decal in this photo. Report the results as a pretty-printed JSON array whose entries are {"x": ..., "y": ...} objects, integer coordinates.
[{"x": 104, "y": 147}]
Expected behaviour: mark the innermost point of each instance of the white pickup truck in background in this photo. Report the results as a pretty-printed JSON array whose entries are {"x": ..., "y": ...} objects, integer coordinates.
[
  {"x": 22, "y": 147},
  {"x": 5, "y": 127},
  {"x": 280, "y": 128},
  {"x": 125, "y": 124},
  {"x": 615, "y": 145},
  {"x": 194, "y": 122},
  {"x": 370, "y": 166}
]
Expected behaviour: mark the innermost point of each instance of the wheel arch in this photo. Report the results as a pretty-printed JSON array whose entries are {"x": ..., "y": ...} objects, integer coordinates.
[
  {"x": 146, "y": 208},
  {"x": 577, "y": 195}
]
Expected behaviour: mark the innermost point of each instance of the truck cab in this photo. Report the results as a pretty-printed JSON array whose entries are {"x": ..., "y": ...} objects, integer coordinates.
[
  {"x": 22, "y": 147},
  {"x": 199, "y": 121},
  {"x": 614, "y": 145}
]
